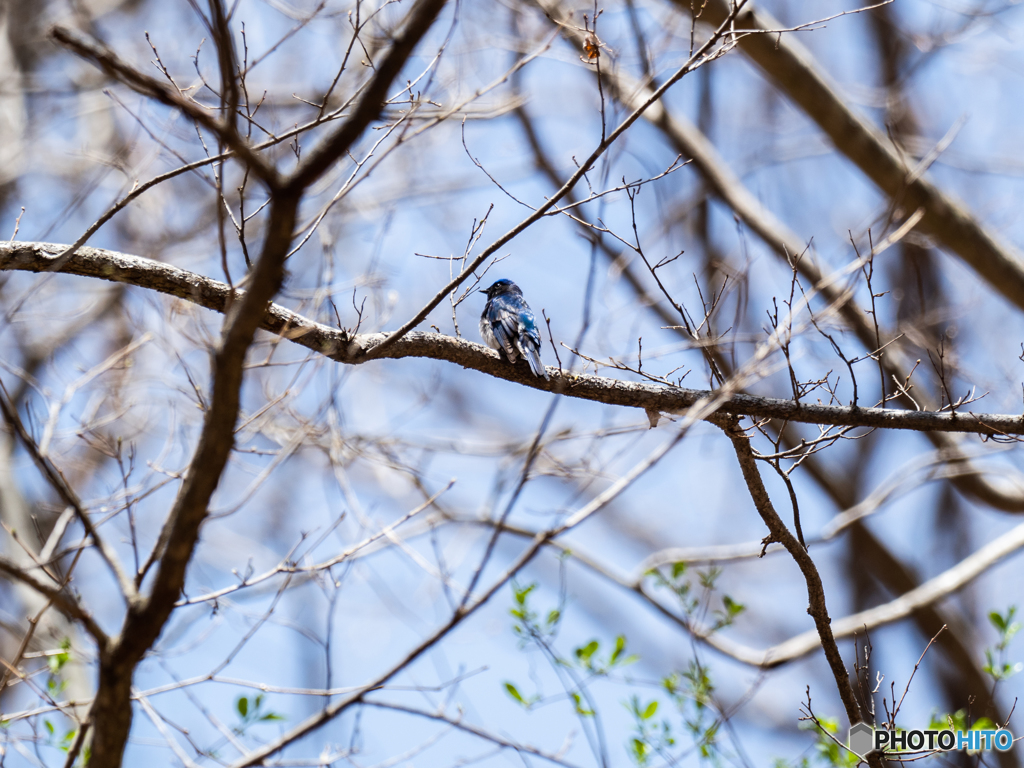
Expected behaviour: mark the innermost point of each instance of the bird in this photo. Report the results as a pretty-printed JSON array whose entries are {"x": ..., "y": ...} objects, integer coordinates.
[{"x": 508, "y": 325}]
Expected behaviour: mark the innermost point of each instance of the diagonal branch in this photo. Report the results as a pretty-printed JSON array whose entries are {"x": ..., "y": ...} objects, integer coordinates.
[
  {"x": 778, "y": 532},
  {"x": 372, "y": 101},
  {"x": 67, "y": 495},
  {"x": 946, "y": 583},
  {"x": 932, "y": 591},
  {"x": 111, "y": 63},
  {"x": 794, "y": 71},
  {"x": 60, "y": 599},
  {"x": 111, "y": 711}
]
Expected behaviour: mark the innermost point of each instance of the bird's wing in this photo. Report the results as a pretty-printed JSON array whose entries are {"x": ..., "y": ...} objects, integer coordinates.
[{"x": 505, "y": 325}]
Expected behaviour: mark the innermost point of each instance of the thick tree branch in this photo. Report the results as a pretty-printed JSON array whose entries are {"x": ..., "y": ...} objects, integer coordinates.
[
  {"x": 792, "y": 68},
  {"x": 344, "y": 347},
  {"x": 111, "y": 711}
]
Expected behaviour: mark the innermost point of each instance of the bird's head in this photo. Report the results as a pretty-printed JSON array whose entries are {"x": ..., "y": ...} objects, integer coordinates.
[{"x": 501, "y": 287}]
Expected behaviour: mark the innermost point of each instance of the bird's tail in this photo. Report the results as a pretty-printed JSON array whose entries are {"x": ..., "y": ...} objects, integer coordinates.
[{"x": 533, "y": 358}]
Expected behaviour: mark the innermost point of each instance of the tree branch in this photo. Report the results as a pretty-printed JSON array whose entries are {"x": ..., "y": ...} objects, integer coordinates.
[
  {"x": 111, "y": 63},
  {"x": 111, "y": 712},
  {"x": 794, "y": 71},
  {"x": 67, "y": 495},
  {"x": 778, "y": 532},
  {"x": 344, "y": 347},
  {"x": 65, "y": 605}
]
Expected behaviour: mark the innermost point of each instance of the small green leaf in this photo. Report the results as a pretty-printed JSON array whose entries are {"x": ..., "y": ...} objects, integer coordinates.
[
  {"x": 734, "y": 608},
  {"x": 271, "y": 716},
  {"x": 242, "y": 705},
  {"x": 651, "y": 709},
  {"x": 997, "y": 621},
  {"x": 522, "y": 594},
  {"x": 49, "y": 726},
  {"x": 678, "y": 569},
  {"x": 584, "y": 652},
  {"x": 514, "y": 693},
  {"x": 620, "y": 646},
  {"x": 554, "y": 616}
]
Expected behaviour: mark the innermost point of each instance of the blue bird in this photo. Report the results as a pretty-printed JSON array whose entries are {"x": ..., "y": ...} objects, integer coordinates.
[{"x": 508, "y": 325}]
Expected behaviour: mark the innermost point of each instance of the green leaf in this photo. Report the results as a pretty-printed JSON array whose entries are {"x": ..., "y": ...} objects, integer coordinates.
[
  {"x": 651, "y": 709},
  {"x": 554, "y": 616},
  {"x": 983, "y": 724},
  {"x": 514, "y": 693},
  {"x": 242, "y": 705},
  {"x": 272, "y": 716},
  {"x": 678, "y": 569},
  {"x": 733, "y": 608},
  {"x": 522, "y": 594},
  {"x": 49, "y": 726},
  {"x": 620, "y": 646},
  {"x": 709, "y": 577},
  {"x": 584, "y": 652},
  {"x": 997, "y": 621}
]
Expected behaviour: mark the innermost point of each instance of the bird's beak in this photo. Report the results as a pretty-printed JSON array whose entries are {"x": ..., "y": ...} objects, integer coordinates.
[{"x": 481, "y": 291}]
